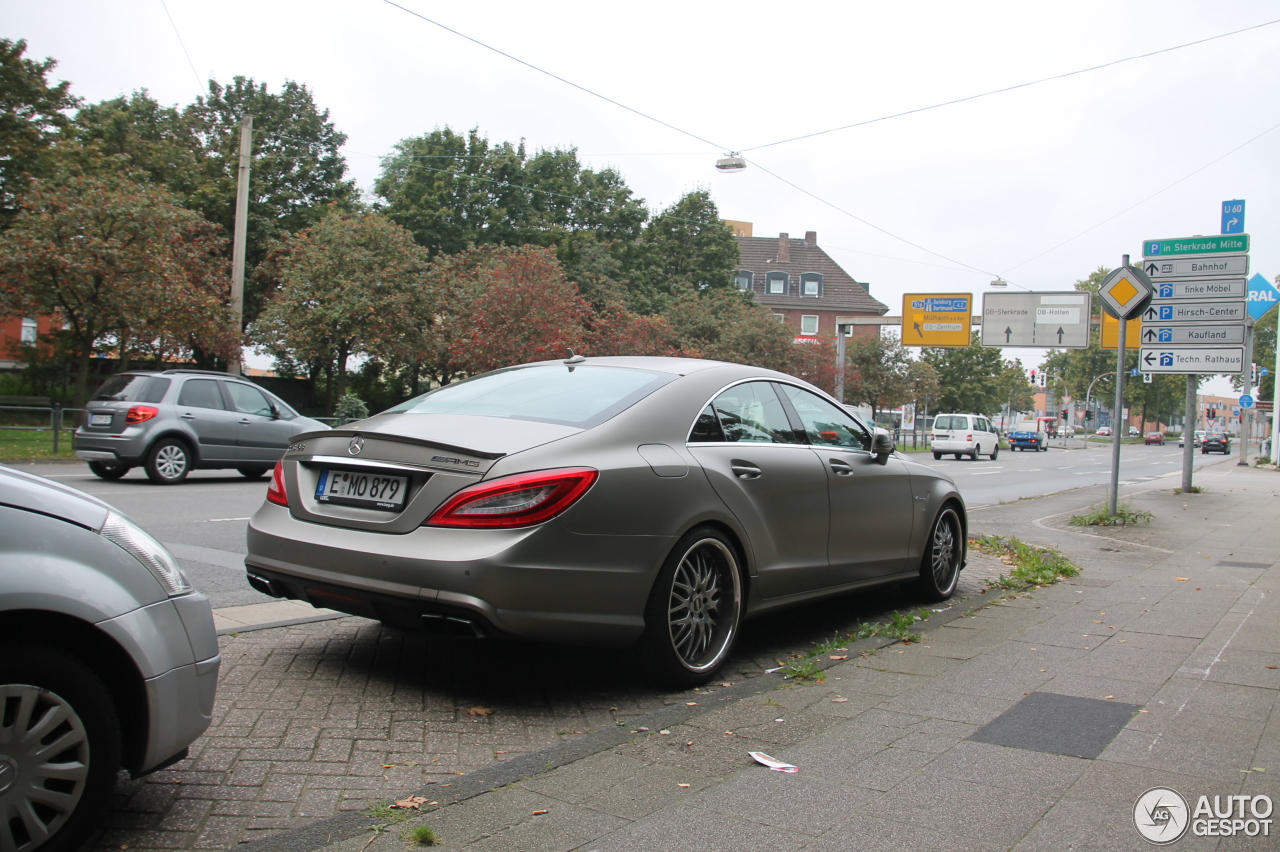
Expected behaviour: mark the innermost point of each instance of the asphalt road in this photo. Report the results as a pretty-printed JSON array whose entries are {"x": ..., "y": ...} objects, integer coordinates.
[{"x": 203, "y": 519}]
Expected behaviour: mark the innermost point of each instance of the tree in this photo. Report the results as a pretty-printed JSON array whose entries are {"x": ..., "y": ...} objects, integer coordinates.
[
  {"x": 1013, "y": 388},
  {"x": 877, "y": 373},
  {"x": 453, "y": 191},
  {"x": 967, "y": 377},
  {"x": 349, "y": 285},
  {"x": 923, "y": 386},
  {"x": 138, "y": 134},
  {"x": 686, "y": 248},
  {"x": 524, "y": 309},
  {"x": 725, "y": 325},
  {"x": 298, "y": 171},
  {"x": 31, "y": 113},
  {"x": 119, "y": 262},
  {"x": 1264, "y": 351}
]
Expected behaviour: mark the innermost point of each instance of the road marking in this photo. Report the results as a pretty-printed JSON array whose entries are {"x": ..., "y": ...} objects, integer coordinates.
[
  {"x": 987, "y": 473},
  {"x": 220, "y": 520},
  {"x": 1032, "y": 469},
  {"x": 1068, "y": 467}
]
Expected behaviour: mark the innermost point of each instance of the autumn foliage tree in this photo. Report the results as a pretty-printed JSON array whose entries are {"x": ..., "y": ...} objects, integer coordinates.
[
  {"x": 349, "y": 285},
  {"x": 122, "y": 267}
]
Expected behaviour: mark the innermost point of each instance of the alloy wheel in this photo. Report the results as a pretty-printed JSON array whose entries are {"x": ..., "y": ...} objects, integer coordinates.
[{"x": 702, "y": 611}]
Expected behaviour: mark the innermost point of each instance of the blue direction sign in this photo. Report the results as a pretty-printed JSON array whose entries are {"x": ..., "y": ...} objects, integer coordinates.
[
  {"x": 1262, "y": 296},
  {"x": 1233, "y": 216},
  {"x": 1246, "y": 401}
]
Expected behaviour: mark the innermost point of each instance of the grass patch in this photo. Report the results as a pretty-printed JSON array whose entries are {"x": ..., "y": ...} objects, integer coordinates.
[
  {"x": 1195, "y": 489},
  {"x": 805, "y": 669},
  {"x": 1032, "y": 566},
  {"x": 808, "y": 667},
  {"x": 1100, "y": 516},
  {"x": 33, "y": 445},
  {"x": 421, "y": 835}
]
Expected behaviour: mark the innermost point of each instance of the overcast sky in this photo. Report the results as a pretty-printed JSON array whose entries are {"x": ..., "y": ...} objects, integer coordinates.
[{"x": 1040, "y": 186}]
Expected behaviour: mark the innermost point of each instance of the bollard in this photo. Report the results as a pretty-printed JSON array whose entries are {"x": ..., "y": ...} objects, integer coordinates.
[{"x": 57, "y": 426}]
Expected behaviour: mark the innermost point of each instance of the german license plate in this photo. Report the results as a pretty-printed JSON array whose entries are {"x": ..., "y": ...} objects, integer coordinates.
[
  {"x": 370, "y": 490},
  {"x": 99, "y": 419}
]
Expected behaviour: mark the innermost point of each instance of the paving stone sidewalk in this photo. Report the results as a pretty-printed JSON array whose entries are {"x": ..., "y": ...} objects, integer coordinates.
[
  {"x": 317, "y": 719},
  {"x": 1033, "y": 723}
]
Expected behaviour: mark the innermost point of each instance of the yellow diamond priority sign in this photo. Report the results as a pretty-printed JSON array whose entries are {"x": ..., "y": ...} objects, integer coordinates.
[{"x": 1126, "y": 291}]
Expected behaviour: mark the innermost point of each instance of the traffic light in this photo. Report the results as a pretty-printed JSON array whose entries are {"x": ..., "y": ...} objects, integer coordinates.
[
  {"x": 1211, "y": 414},
  {"x": 1033, "y": 378},
  {"x": 1044, "y": 378},
  {"x": 1254, "y": 378},
  {"x": 1064, "y": 414},
  {"x": 1088, "y": 415}
]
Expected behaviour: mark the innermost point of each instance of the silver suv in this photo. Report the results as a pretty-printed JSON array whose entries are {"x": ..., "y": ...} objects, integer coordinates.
[
  {"x": 175, "y": 420},
  {"x": 108, "y": 659}
]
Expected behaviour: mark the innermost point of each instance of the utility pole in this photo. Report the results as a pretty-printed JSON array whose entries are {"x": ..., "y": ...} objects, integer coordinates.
[
  {"x": 840, "y": 350},
  {"x": 1246, "y": 414},
  {"x": 1118, "y": 428},
  {"x": 1189, "y": 432},
  {"x": 239, "y": 236}
]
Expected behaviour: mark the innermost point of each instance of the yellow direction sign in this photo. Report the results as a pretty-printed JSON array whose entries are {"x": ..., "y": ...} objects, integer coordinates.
[
  {"x": 1111, "y": 333},
  {"x": 937, "y": 319}
]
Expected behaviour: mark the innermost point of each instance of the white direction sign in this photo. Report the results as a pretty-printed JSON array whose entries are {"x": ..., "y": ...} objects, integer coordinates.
[
  {"x": 1197, "y": 311},
  {"x": 1203, "y": 335},
  {"x": 1203, "y": 288},
  {"x": 1043, "y": 320},
  {"x": 1217, "y": 266},
  {"x": 1191, "y": 359}
]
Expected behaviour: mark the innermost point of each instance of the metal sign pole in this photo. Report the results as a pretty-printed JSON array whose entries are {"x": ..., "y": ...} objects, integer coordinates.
[
  {"x": 1117, "y": 428},
  {"x": 1189, "y": 432},
  {"x": 1246, "y": 414}
]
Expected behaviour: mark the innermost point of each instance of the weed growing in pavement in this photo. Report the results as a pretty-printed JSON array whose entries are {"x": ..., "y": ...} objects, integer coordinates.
[
  {"x": 421, "y": 835},
  {"x": 804, "y": 669},
  {"x": 1099, "y": 516},
  {"x": 1195, "y": 489},
  {"x": 1032, "y": 566}
]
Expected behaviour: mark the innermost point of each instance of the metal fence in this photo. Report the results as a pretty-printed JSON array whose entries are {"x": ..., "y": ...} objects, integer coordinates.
[{"x": 40, "y": 418}]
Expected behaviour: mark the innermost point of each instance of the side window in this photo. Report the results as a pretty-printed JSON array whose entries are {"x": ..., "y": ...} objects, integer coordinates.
[
  {"x": 249, "y": 400},
  {"x": 706, "y": 428},
  {"x": 827, "y": 425},
  {"x": 200, "y": 393},
  {"x": 752, "y": 413}
]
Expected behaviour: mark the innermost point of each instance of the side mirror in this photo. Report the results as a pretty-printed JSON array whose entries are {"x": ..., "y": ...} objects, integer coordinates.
[
  {"x": 882, "y": 445},
  {"x": 275, "y": 412}
]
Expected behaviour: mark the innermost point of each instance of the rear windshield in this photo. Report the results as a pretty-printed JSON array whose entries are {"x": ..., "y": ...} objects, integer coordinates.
[
  {"x": 582, "y": 396},
  {"x": 132, "y": 388},
  {"x": 951, "y": 421}
]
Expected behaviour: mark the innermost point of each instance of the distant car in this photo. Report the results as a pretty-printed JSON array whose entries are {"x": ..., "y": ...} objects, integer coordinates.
[
  {"x": 1028, "y": 435},
  {"x": 964, "y": 434},
  {"x": 175, "y": 420},
  {"x": 108, "y": 659},
  {"x": 1133, "y": 432},
  {"x": 1154, "y": 438},
  {"x": 1216, "y": 442},
  {"x": 1103, "y": 432},
  {"x": 1196, "y": 438}
]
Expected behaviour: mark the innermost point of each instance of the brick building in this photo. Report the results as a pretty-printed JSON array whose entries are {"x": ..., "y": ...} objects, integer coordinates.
[{"x": 801, "y": 284}]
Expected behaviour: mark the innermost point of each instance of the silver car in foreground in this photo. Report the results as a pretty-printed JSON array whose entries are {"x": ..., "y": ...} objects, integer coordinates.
[
  {"x": 108, "y": 659},
  {"x": 604, "y": 501}
]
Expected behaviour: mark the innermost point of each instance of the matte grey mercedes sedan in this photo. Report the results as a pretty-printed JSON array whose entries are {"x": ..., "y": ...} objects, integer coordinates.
[{"x": 604, "y": 501}]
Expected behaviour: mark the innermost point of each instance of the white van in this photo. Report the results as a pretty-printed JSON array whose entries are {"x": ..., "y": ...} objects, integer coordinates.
[{"x": 964, "y": 434}]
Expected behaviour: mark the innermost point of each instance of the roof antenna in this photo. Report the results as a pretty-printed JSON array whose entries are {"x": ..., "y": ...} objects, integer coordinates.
[{"x": 574, "y": 359}]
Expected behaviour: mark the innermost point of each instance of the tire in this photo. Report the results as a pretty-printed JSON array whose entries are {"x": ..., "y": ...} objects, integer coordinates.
[
  {"x": 957, "y": 455},
  {"x": 943, "y": 555},
  {"x": 169, "y": 462},
  {"x": 995, "y": 452},
  {"x": 937, "y": 456},
  {"x": 107, "y": 471},
  {"x": 694, "y": 610},
  {"x": 253, "y": 472},
  {"x": 56, "y": 812},
  {"x": 973, "y": 454}
]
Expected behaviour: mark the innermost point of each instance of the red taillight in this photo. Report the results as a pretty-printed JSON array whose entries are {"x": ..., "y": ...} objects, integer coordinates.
[
  {"x": 515, "y": 501},
  {"x": 275, "y": 491},
  {"x": 141, "y": 414}
]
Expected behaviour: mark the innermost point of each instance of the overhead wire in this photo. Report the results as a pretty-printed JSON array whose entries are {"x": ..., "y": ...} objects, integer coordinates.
[
  {"x": 1010, "y": 88},
  {"x": 183, "y": 45}
]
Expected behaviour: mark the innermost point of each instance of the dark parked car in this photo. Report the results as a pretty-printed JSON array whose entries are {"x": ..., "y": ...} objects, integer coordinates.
[
  {"x": 604, "y": 501},
  {"x": 1216, "y": 442},
  {"x": 173, "y": 421},
  {"x": 108, "y": 659}
]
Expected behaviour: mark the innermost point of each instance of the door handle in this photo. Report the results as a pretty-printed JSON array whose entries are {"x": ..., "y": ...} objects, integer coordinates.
[
  {"x": 244, "y": 421},
  {"x": 187, "y": 415},
  {"x": 745, "y": 470},
  {"x": 841, "y": 468}
]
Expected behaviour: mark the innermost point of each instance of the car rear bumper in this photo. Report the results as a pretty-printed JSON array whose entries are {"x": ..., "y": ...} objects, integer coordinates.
[
  {"x": 952, "y": 446},
  {"x": 541, "y": 583},
  {"x": 108, "y": 448}
]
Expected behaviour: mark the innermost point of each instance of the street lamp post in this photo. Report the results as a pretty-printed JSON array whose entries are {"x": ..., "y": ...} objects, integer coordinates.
[{"x": 1088, "y": 395}]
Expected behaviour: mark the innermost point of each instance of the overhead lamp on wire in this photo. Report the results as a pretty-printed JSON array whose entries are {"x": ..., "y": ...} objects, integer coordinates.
[
  {"x": 731, "y": 164},
  {"x": 999, "y": 282}
]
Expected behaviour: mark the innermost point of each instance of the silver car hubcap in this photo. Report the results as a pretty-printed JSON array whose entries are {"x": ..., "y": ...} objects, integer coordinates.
[
  {"x": 171, "y": 461},
  {"x": 44, "y": 764},
  {"x": 944, "y": 552},
  {"x": 702, "y": 614}
]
